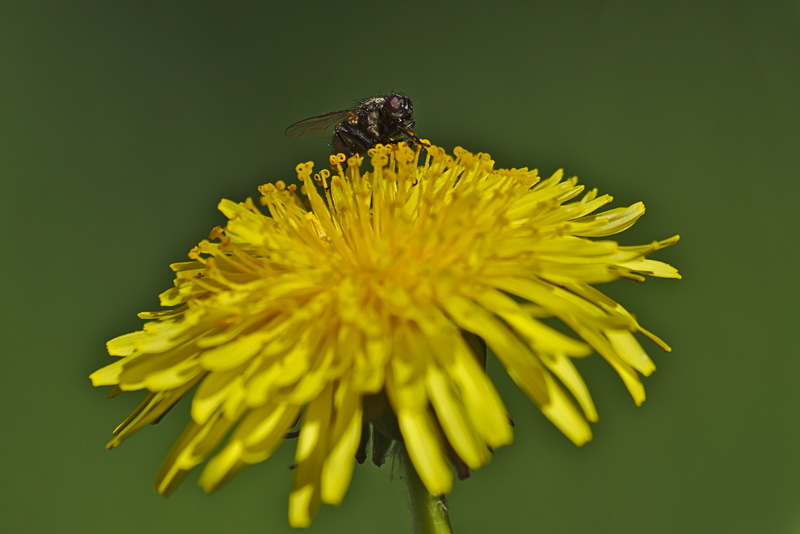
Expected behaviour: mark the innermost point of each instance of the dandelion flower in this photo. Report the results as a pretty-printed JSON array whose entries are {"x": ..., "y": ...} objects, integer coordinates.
[{"x": 367, "y": 296}]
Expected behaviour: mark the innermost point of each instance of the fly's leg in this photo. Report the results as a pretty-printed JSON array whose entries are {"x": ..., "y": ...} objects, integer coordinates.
[{"x": 347, "y": 138}]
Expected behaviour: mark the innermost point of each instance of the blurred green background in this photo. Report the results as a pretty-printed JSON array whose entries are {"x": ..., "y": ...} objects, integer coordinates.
[{"x": 123, "y": 123}]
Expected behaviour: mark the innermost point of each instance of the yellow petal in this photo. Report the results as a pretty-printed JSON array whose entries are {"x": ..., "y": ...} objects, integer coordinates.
[
  {"x": 454, "y": 420},
  {"x": 338, "y": 466}
]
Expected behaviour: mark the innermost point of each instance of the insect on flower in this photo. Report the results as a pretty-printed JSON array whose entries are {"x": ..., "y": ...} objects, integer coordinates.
[{"x": 380, "y": 120}]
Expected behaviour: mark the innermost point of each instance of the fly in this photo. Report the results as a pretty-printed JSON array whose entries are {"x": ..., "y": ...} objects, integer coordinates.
[{"x": 379, "y": 120}]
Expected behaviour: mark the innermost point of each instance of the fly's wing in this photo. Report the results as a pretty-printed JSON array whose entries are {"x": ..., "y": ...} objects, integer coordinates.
[{"x": 318, "y": 125}]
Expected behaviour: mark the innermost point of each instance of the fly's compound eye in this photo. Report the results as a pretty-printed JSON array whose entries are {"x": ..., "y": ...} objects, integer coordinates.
[{"x": 393, "y": 103}]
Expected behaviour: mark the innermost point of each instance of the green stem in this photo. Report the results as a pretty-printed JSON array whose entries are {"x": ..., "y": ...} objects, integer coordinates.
[{"x": 430, "y": 513}]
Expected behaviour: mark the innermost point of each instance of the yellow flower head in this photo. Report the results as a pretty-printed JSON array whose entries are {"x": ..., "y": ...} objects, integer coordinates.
[{"x": 372, "y": 293}]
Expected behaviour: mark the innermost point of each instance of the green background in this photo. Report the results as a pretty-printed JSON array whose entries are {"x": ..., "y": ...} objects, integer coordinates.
[{"x": 123, "y": 123}]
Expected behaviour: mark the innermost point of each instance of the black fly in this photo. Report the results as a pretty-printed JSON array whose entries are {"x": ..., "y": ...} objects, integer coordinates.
[{"x": 380, "y": 120}]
